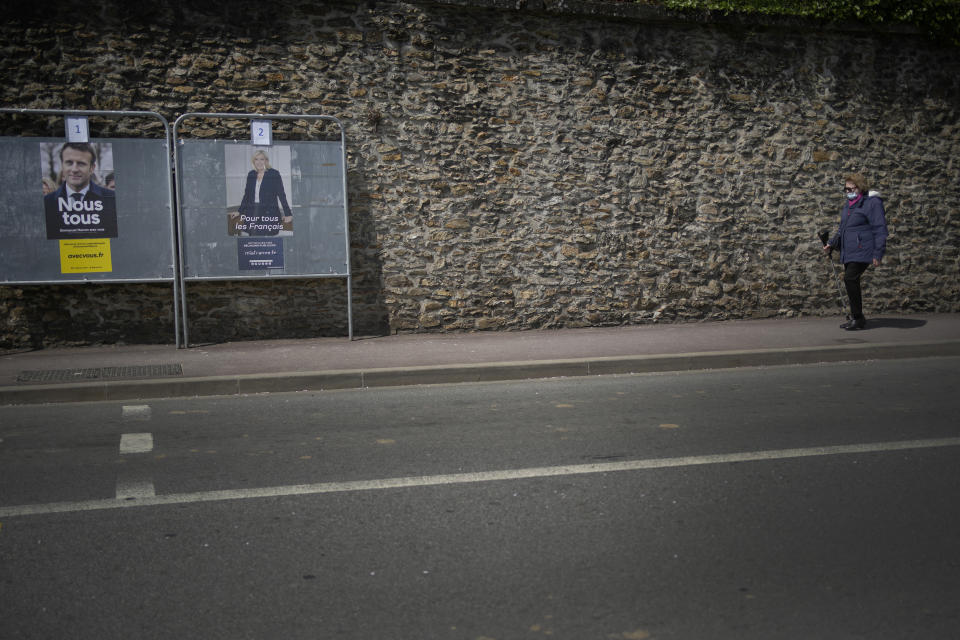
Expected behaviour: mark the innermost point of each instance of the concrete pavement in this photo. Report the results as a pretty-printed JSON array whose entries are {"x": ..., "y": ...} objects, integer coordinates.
[{"x": 132, "y": 372}]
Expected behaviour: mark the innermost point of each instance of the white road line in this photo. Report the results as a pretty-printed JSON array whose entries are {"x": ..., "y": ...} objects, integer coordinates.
[
  {"x": 136, "y": 443},
  {"x": 467, "y": 478},
  {"x": 136, "y": 412}
]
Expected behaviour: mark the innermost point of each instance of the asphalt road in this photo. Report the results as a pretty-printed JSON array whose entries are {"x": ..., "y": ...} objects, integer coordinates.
[{"x": 785, "y": 502}]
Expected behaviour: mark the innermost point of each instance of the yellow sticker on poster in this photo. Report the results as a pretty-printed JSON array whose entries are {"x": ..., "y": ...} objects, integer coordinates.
[{"x": 85, "y": 256}]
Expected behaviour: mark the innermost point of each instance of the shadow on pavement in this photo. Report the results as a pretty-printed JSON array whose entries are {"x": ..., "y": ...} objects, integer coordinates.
[{"x": 894, "y": 323}]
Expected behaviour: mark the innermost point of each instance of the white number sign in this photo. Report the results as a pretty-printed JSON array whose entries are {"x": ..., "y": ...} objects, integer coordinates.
[{"x": 260, "y": 132}]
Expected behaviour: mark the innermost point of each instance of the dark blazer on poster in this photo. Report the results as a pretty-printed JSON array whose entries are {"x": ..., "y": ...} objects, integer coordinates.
[
  {"x": 107, "y": 228},
  {"x": 96, "y": 192},
  {"x": 272, "y": 198}
]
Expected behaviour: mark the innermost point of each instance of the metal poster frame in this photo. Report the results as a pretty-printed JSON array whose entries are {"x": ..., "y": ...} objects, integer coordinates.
[
  {"x": 174, "y": 263},
  {"x": 178, "y": 140}
]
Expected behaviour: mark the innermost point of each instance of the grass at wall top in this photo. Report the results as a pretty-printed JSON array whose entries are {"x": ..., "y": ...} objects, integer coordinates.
[{"x": 938, "y": 19}]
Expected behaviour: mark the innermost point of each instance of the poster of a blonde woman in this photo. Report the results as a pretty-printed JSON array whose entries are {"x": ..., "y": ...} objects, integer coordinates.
[{"x": 259, "y": 213}]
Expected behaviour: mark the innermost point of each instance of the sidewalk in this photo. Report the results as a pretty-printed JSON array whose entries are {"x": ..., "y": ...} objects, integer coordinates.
[{"x": 152, "y": 371}]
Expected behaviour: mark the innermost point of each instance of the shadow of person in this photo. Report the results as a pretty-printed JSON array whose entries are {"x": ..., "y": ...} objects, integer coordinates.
[{"x": 895, "y": 323}]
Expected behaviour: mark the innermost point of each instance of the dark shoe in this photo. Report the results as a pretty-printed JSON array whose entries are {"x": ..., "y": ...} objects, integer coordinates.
[{"x": 854, "y": 325}]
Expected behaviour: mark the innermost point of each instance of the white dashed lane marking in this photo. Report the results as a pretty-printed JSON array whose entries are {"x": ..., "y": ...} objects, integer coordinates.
[
  {"x": 130, "y": 485},
  {"x": 136, "y": 443},
  {"x": 127, "y": 490},
  {"x": 136, "y": 412}
]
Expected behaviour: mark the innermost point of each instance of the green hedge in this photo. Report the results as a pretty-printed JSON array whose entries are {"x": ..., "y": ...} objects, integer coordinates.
[{"x": 940, "y": 19}]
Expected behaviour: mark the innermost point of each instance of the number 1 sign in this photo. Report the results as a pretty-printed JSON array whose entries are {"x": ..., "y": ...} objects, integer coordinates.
[{"x": 78, "y": 129}]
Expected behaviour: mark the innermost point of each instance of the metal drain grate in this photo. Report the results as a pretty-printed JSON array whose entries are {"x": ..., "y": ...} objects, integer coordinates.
[
  {"x": 143, "y": 371},
  {"x": 94, "y": 374}
]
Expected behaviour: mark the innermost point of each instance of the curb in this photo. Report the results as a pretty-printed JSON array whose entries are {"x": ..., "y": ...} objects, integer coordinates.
[{"x": 448, "y": 374}]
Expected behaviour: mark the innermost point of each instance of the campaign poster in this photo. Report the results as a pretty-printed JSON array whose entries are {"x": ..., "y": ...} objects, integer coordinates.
[
  {"x": 78, "y": 186},
  {"x": 258, "y": 196},
  {"x": 85, "y": 256},
  {"x": 260, "y": 253}
]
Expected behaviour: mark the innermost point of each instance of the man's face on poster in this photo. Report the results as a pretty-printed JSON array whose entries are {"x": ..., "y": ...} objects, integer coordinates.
[{"x": 77, "y": 167}]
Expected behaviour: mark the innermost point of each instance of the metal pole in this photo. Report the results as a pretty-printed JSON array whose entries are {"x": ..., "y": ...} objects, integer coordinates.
[
  {"x": 179, "y": 220},
  {"x": 346, "y": 228}
]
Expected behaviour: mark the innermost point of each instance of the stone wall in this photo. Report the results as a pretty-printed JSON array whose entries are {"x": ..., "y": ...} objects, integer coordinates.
[{"x": 519, "y": 165}]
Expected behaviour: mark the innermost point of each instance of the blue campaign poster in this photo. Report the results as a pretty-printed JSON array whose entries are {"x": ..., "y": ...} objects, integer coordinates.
[{"x": 260, "y": 253}]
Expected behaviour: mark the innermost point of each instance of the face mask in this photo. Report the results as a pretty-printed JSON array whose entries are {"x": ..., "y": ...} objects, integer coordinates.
[{"x": 852, "y": 195}]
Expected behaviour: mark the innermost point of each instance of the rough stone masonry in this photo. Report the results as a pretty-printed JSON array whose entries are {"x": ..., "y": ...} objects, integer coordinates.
[{"x": 521, "y": 165}]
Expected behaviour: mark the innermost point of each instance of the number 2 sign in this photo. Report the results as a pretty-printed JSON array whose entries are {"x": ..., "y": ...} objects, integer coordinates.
[{"x": 260, "y": 132}]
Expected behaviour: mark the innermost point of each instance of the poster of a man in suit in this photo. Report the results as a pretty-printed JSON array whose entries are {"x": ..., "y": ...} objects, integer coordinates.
[{"x": 79, "y": 207}]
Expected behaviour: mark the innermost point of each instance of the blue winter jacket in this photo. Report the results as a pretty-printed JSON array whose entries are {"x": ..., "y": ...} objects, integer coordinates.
[{"x": 862, "y": 235}]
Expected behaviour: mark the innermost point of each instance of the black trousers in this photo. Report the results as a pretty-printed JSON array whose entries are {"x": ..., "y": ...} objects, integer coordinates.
[{"x": 851, "y": 278}]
